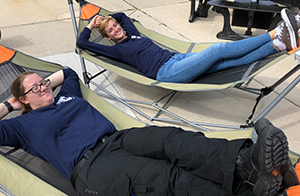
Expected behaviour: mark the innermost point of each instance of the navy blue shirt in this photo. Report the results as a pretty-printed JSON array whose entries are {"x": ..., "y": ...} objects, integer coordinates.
[
  {"x": 137, "y": 51},
  {"x": 60, "y": 133}
]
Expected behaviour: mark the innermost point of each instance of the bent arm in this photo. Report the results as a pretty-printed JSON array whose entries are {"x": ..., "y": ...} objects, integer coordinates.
[
  {"x": 3, "y": 110},
  {"x": 126, "y": 23},
  {"x": 84, "y": 43},
  {"x": 71, "y": 85},
  {"x": 56, "y": 79},
  {"x": 95, "y": 22},
  {"x": 16, "y": 105}
]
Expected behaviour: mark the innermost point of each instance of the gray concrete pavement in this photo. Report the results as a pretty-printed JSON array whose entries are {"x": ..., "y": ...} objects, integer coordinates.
[{"x": 44, "y": 29}]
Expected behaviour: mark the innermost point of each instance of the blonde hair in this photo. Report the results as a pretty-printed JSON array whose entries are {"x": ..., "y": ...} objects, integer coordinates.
[
  {"x": 103, "y": 24},
  {"x": 18, "y": 90}
]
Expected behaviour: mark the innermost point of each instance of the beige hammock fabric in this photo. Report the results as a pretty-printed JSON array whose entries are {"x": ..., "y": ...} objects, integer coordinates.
[{"x": 215, "y": 81}]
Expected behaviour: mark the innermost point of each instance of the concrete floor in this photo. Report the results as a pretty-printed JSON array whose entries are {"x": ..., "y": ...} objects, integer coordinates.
[{"x": 44, "y": 29}]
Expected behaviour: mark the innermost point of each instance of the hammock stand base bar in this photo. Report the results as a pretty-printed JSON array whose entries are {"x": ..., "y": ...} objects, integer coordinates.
[{"x": 169, "y": 96}]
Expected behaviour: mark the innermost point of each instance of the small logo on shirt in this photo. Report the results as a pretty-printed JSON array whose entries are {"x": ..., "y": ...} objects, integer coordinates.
[
  {"x": 135, "y": 37},
  {"x": 64, "y": 99}
]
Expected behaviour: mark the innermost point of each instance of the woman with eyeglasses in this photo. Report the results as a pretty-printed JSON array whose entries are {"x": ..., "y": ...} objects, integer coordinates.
[
  {"x": 77, "y": 140},
  {"x": 35, "y": 89},
  {"x": 22, "y": 102}
]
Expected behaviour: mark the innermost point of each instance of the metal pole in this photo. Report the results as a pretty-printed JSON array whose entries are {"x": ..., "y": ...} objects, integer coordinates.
[
  {"x": 83, "y": 66},
  {"x": 279, "y": 98},
  {"x": 73, "y": 17}
]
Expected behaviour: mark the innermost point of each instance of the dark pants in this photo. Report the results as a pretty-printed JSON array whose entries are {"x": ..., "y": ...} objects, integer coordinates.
[{"x": 160, "y": 161}]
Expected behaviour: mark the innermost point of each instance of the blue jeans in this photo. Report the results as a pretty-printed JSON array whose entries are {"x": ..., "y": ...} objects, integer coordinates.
[{"x": 183, "y": 68}]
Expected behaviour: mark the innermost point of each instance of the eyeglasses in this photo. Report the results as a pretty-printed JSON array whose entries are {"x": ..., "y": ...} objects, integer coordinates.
[{"x": 38, "y": 87}]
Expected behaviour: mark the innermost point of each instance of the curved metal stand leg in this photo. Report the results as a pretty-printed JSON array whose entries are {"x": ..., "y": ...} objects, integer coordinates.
[{"x": 227, "y": 32}]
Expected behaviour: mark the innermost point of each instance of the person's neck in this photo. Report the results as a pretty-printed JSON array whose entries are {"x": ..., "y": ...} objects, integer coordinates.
[{"x": 120, "y": 40}]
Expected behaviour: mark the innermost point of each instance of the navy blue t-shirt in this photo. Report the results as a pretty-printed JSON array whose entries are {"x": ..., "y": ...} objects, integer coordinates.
[
  {"x": 137, "y": 51},
  {"x": 60, "y": 133}
]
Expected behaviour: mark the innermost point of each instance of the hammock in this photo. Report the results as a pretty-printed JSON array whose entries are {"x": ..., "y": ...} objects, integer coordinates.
[
  {"x": 23, "y": 174},
  {"x": 13, "y": 177},
  {"x": 229, "y": 78}
]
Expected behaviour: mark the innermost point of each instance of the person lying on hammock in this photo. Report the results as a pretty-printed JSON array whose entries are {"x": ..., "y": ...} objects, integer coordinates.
[
  {"x": 162, "y": 65},
  {"x": 84, "y": 146}
]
